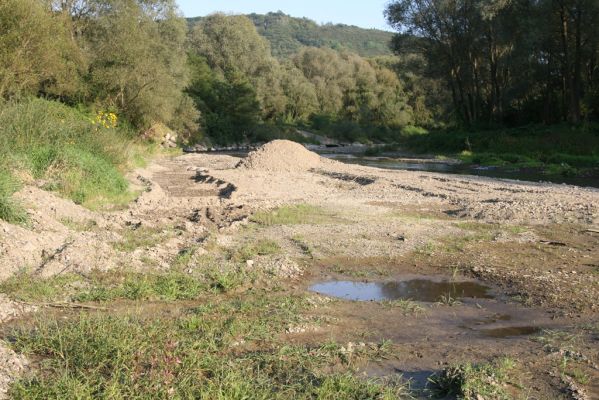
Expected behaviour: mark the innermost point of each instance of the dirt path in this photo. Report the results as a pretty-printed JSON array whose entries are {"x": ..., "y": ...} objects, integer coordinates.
[{"x": 535, "y": 244}]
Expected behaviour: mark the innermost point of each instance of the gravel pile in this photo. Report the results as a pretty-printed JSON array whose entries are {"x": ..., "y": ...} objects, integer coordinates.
[{"x": 282, "y": 156}]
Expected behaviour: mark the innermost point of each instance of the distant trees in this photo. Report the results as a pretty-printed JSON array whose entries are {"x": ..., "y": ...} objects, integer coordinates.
[
  {"x": 235, "y": 71},
  {"x": 507, "y": 61}
]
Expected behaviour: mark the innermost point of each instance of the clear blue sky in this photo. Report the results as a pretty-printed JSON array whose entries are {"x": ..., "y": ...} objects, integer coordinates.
[{"x": 364, "y": 13}]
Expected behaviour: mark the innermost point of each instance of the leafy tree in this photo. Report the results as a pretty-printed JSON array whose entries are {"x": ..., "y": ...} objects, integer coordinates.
[
  {"x": 229, "y": 108},
  {"x": 37, "y": 52},
  {"x": 235, "y": 51},
  {"x": 137, "y": 57}
]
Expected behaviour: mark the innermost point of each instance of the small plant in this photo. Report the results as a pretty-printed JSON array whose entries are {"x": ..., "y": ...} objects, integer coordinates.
[
  {"x": 294, "y": 215},
  {"x": 263, "y": 247},
  {"x": 142, "y": 237},
  {"x": 10, "y": 210},
  {"x": 474, "y": 381},
  {"x": 408, "y": 307},
  {"x": 300, "y": 241},
  {"x": 79, "y": 226},
  {"x": 448, "y": 300}
]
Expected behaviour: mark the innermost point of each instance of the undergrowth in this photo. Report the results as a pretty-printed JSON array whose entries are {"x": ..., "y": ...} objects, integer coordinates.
[
  {"x": 69, "y": 153},
  {"x": 223, "y": 349}
]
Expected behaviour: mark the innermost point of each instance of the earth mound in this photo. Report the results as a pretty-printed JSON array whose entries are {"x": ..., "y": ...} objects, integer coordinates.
[{"x": 282, "y": 155}]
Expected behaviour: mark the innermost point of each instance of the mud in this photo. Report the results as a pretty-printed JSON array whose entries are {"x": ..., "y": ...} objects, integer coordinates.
[{"x": 379, "y": 225}]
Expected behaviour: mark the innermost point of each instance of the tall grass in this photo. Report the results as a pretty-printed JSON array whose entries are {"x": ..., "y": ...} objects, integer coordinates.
[
  {"x": 80, "y": 160},
  {"x": 10, "y": 211}
]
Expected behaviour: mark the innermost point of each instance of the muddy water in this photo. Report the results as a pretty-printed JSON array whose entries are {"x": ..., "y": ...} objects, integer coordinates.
[{"x": 424, "y": 290}]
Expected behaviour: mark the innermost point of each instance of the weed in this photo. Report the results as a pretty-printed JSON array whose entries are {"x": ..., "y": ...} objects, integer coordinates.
[
  {"x": 263, "y": 247},
  {"x": 471, "y": 382},
  {"x": 142, "y": 237},
  {"x": 448, "y": 300},
  {"x": 194, "y": 354},
  {"x": 79, "y": 226},
  {"x": 10, "y": 210},
  {"x": 84, "y": 162},
  {"x": 184, "y": 257},
  {"x": 406, "y": 306},
  {"x": 301, "y": 214},
  {"x": 27, "y": 287},
  {"x": 300, "y": 242}
]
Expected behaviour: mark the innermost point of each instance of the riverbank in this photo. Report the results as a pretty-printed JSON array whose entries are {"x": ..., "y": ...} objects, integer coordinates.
[{"x": 202, "y": 285}]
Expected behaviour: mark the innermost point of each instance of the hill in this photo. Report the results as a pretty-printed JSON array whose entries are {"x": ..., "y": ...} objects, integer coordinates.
[{"x": 288, "y": 34}]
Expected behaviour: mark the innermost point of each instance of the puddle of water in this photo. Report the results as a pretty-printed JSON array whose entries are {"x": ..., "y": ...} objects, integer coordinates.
[
  {"x": 510, "y": 331},
  {"x": 425, "y": 290}
]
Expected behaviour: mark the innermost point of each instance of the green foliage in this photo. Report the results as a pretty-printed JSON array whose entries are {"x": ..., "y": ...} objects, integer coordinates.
[
  {"x": 137, "y": 58},
  {"x": 10, "y": 210},
  {"x": 470, "y": 382},
  {"x": 37, "y": 52},
  {"x": 527, "y": 146},
  {"x": 193, "y": 353},
  {"x": 53, "y": 142},
  {"x": 514, "y": 63},
  {"x": 293, "y": 215},
  {"x": 287, "y": 35},
  {"x": 261, "y": 247}
]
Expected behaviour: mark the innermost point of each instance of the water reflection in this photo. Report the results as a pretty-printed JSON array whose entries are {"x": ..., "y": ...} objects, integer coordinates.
[{"x": 425, "y": 290}]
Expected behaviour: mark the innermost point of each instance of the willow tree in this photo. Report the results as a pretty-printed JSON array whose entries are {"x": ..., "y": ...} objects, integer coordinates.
[
  {"x": 235, "y": 51},
  {"x": 137, "y": 57},
  {"x": 37, "y": 52}
]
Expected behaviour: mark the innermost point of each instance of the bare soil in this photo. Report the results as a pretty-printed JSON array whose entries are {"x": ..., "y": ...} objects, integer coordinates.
[{"x": 536, "y": 245}]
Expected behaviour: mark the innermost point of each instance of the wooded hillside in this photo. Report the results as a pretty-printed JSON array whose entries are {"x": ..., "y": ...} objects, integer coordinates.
[{"x": 288, "y": 34}]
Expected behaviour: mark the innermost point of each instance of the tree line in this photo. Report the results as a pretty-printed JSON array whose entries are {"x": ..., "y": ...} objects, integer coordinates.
[
  {"x": 139, "y": 59},
  {"x": 509, "y": 62}
]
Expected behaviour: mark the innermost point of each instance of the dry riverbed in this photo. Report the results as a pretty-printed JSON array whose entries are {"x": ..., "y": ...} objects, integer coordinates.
[{"x": 204, "y": 286}]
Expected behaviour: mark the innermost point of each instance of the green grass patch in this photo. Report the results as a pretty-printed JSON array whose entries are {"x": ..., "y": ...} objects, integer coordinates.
[
  {"x": 561, "y": 149},
  {"x": 300, "y": 214},
  {"x": 62, "y": 147},
  {"x": 142, "y": 237},
  {"x": 474, "y": 381},
  {"x": 248, "y": 251},
  {"x": 225, "y": 349},
  {"x": 127, "y": 285},
  {"x": 408, "y": 307},
  {"x": 28, "y": 287}
]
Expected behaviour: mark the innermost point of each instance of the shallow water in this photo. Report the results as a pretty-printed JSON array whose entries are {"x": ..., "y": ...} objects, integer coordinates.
[
  {"x": 425, "y": 290},
  {"x": 522, "y": 174}
]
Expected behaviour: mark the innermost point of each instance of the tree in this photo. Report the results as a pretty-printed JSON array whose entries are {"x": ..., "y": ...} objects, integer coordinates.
[
  {"x": 37, "y": 52},
  {"x": 234, "y": 50}
]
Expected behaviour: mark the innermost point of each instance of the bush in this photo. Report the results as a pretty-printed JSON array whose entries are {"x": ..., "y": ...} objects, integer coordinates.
[{"x": 79, "y": 157}]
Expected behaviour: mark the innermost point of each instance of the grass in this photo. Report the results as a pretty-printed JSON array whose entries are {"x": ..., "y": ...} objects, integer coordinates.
[
  {"x": 303, "y": 245},
  {"x": 142, "y": 237},
  {"x": 223, "y": 349},
  {"x": 249, "y": 251},
  {"x": 100, "y": 286},
  {"x": 474, "y": 381},
  {"x": 59, "y": 145},
  {"x": 408, "y": 307},
  {"x": 301, "y": 214},
  {"x": 561, "y": 149},
  {"x": 10, "y": 210},
  {"x": 79, "y": 226}
]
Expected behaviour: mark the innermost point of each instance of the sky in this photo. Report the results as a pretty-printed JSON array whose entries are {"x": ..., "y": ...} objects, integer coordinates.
[{"x": 366, "y": 14}]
